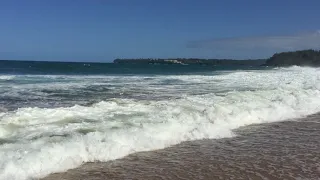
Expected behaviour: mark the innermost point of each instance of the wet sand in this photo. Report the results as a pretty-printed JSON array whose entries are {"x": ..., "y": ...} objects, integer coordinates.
[{"x": 284, "y": 150}]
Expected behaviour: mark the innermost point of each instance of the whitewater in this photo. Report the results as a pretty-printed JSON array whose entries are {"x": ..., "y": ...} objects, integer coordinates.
[{"x": 52, "y": 123}]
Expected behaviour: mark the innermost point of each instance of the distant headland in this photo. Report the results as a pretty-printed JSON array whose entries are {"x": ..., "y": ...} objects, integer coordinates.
[
  {"x": 299, "y": 58},
  {"x": 283, "y": 59},
  {"x": 190, "y": 61}
]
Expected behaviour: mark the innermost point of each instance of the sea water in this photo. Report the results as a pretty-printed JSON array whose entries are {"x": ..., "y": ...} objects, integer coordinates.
[{"x": 54, "y": 117}]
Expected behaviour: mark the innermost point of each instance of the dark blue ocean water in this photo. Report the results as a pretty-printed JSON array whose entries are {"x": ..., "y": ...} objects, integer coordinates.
[
  {"x": 80, "y": 68},
  {"x": 60, "y": 84}
]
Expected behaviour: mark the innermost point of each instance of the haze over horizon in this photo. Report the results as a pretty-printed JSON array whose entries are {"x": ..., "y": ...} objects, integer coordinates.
[{"x": 105, "y": 30}]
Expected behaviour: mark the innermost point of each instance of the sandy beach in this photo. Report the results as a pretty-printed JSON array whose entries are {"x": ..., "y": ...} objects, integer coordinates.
[{"x": 283, "y": 150}]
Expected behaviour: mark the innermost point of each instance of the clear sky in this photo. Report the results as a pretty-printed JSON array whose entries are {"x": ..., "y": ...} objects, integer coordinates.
[{"x": 101, "y": 30}]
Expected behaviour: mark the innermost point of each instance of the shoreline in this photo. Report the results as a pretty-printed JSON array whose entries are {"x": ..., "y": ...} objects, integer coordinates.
[{"x": 281, "y": 150}]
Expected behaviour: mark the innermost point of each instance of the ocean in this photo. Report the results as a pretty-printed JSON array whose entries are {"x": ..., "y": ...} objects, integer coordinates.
[{"x": 134, "y": 121}]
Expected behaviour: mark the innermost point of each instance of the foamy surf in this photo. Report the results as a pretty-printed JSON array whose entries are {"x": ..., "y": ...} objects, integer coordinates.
[
  {"x": 6, "y": 77},
  {"x": 35, "y": 142}
]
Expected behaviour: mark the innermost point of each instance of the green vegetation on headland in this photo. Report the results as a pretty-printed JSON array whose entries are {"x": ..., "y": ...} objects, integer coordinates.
[
  {"x": 187, "y": 61},
  {"x": 299, "y": 58}
]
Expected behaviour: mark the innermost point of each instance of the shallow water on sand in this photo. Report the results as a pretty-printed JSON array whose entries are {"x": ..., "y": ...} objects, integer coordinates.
[{"x": 282, "y": 150}]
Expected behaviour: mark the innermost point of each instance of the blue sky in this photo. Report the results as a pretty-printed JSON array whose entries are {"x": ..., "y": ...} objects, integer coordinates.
[{"x": 101, "y": 30}]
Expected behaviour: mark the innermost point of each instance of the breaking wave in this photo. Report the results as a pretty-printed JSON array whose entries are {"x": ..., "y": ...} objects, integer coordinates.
[{"x": 35, "y": 142}]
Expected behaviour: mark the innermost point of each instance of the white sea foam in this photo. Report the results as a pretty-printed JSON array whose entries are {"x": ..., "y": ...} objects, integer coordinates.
[
  {"x": 50, "y": 140},
  {"x": 6, "y": 77}
]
